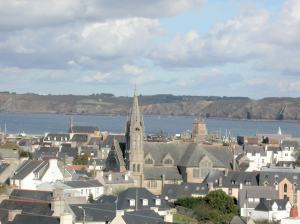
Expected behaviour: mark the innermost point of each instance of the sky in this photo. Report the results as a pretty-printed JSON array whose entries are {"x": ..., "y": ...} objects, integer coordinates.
[{"x": 182, "y": 47}]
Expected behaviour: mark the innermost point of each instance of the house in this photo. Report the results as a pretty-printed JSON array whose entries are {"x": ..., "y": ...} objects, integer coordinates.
[
  {"x": 139, "y": 216},
  {"x": 84, "y": 188},
  {"x": 6, "y": 171},
  {"x": 231, "y": 182},
  {"x": 287, "y": 151},
  {"x": 249, "y": 197},
  {"x": 46, "y": 152},
  {"x": 172, "y": 192},
  {"x": 96, "y": 164},
  {"x": 115, "y": 181},
  {"x": 271, "y": 210},
  {"x": 56, "y": 139},
  {"x": 284, "y": 179},
  {"x": 34, "y": 172}
]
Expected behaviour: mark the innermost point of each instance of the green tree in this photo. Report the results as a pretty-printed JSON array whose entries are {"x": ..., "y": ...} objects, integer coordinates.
[
  {"x": 91, "y": 198},
  {"x": 81, "y": 160},
  {"x": 221, "y": 201}
]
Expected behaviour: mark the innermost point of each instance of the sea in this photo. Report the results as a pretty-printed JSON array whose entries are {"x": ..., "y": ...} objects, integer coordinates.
[{"x": 41, "y": 123}]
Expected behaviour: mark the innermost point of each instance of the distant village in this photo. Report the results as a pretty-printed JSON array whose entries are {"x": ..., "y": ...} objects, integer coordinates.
[{"x": 89, "y": 176}]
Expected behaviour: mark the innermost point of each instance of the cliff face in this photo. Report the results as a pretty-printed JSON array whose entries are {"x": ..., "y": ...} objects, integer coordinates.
[{"x": 223, "y": 107}]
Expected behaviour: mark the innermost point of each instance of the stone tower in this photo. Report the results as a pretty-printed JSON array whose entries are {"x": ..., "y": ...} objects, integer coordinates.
[{"x": 134, "y": 141}]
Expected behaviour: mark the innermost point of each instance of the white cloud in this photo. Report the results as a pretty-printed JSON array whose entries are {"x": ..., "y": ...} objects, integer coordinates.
[
  {"x": 16, "y": 14},
  {"x": 96, "y": 78},
  {"x": 132, "y": 69}
]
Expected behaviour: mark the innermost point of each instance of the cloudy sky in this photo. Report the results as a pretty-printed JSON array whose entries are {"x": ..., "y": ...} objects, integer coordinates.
[{"x": 191, "y": 47}]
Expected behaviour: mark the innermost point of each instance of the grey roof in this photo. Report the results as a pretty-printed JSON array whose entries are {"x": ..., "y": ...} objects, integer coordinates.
[
  {"x": 108, "y": 141},
  {"x": 155, "y": 173},
  {"x": 289, "y": 143},
  {"x": 188, "y": 154},
  {"x": 115, "y": 157},
  {"x": 57, "y": 137},
  {"x": 67, "y": 151},
  {"x": 27, "y": 167},
  {"x": 3, "y": 167},
  {"x": 109, "y": 199},
  {"x": 173, "y": 191},
  {"x": 31, "y": 195},
  {"x": 273, "y": 175},
  {"x": 46, "y": 152},
  {"x": 83, "y": 129},
  {"x": 79, "y": 138},
  {"x": 266, "y": 204},
  {"x": 255, "y": 149},
  {"x": 142, "y": 217},
  {"x": 33, "y": 219},
  {"x": 83, "y": 183},
  {"x": 232, "y": 179},
  {"x": 94, "y": 212},
  {"x": 39, "y": 208},
  {"x": 117, "y": 178},
  {"x": 95, "y": 141},
  {"x": 97, "y": 162},
  {"x": 140, "y": 193},
  {"x": 256, "y": 192}
]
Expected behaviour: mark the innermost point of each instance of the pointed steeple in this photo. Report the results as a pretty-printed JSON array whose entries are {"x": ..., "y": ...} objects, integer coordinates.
[{"x": 135, "y": 118}]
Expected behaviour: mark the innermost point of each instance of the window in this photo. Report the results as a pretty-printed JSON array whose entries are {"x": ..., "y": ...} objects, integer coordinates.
[
  {"x": 152, "y": 184},
  {"x": 133, "y": 167},
  {"x": 285, "y": 188},
  {"x": 145, "y": 202},
  {"x": 157, "y": 202},
  {"x": 138, "y": 167},
  {"x": 131, "y": 202},
  {"x": 250, "y": 199},
  {"x": 230, "y": 191},
  {"x": 168, "y": 162},
  {"x": 81, "y": 191},
  {"x": 149, "y": 161}
]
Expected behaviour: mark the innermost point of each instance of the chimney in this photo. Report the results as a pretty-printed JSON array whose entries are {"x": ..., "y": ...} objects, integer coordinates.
[
  {"x": 57, "y": 202},
  {"x": 220, "y": 181},
  {"x": 12, "y": 214},
  {"x": 66, "y": 218},
  {"x": 163, "y": 180},
  {"x": 109, "y": 177}
]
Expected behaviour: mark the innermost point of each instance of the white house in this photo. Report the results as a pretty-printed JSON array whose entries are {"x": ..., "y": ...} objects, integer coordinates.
[
  {"x": 35, "y": 172},
  {"x": 271, "y": 210}
]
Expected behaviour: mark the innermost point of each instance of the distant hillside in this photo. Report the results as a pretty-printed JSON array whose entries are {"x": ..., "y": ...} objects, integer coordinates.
[{"x": 204, "y": 106}]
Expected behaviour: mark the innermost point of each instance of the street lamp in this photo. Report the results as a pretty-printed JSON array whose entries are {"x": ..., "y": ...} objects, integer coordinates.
[{"x": 83, "y": 221}]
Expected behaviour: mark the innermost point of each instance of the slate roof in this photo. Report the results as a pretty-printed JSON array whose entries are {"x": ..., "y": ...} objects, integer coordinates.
[
  {"x": 272, "y": 175},
  {"x": 83, "y": 183},
  {"x": 24, "y": 218},
  {"x": 57, "y": 137},
  {"x": 46, "y": 152},
  {"x": 289, "y": 143},
  {"x": 117, "y": 178},
  {"x": 256, "y": 192},
  {"x": 115, "y": 158},
  {"x": 173, "y": 191},
  {"x": 27, "y": 167},
  {"x": 140, "y": 193},
  {"x": 106, "y": 199},
  {"x": 79, "y": 138},
  {"x": 232, "y": 179},
  {"x": 32, "y": 195},
  {"x": 155, "y": 173},
  {"x": 40, "y": 208},
  {"x": 142, "y": 217},
  {"x": 188, "y": 154},
  {"x": 83, "y": 129},
  {"x": 68, "y": 151},
  {"x": 3, "y": 167},
  {"x": 108, "y": 141},
  {"x": 266, "y": 204},
  {"x": 94, "y": 212}
]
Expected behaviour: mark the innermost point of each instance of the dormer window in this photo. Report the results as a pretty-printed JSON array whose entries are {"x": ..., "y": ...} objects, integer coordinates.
[
  {"x": 157, "y": 201},
  {"x": 145, "y": 202},
  {"x": 131, "y": 202},
  {"x": 149, "y": 161},
  {"x": 36, "y": 175},
  {"x": 54, "y": 138},
  {"x": 168, "y": 161}
]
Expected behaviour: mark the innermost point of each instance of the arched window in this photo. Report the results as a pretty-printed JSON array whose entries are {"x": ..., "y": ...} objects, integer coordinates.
[
  {"x": 285, "y": 188},
  {"x": 149, "y": 161}
]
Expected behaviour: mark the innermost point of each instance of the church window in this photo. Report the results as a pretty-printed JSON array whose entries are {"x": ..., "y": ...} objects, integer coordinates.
[
  {"x": 138, "y": 168},
  {"x": 137, "y": 129},
  {"x": 133, "y": 167},
  {"x": 285, "y": 188}
]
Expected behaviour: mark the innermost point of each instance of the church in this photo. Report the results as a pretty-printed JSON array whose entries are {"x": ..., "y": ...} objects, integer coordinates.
[{"x": 153, "y": 164}]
